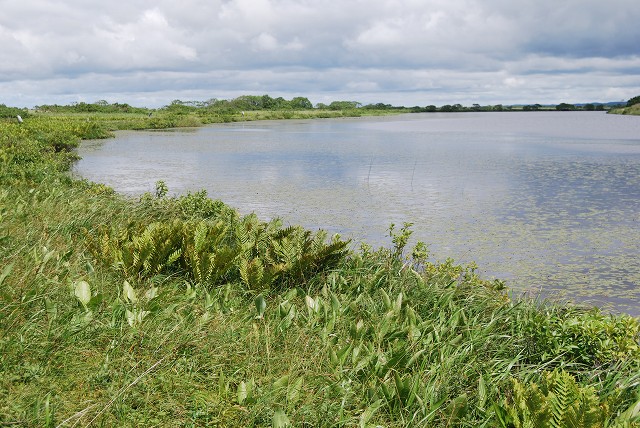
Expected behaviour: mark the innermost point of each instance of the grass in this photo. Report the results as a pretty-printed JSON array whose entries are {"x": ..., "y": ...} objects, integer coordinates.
[
  {"x": 291, "y": 333},
  {"x": 633, "y": 110}
]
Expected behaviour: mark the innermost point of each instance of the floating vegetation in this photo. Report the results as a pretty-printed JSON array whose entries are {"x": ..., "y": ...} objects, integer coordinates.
[{"x": 549, "y": 209}]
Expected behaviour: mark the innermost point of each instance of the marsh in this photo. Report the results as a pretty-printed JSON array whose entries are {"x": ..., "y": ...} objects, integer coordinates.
[{"x": 548, "y": 201}]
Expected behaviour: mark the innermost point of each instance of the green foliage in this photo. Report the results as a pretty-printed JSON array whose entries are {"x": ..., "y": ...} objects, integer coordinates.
[
  {"x": 301, "y": 103},
  {"x": 565, "y": 107},
  {"x": 633, "y": 101},
  {"x": 101, "y": 106},
  {"x": 557, "y": 401},
  {"x": 216, "y": 246},
  {"x": 12, "y": 112},
  {"x": 196, "y": 316},
  {"x": 340, "y": 105},
  {"x": 400, "y": 239},
  {"x": 161, "y": 189},
  {"x": 272, "y": 256},
  {"x": 140, "y": 251},
  {"x": 588, "y": 337},
  {"x": 198, "y": 205},
  {"x": 207, "y": 255}
]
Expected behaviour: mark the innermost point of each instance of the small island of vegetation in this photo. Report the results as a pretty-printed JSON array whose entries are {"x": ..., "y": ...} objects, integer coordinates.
[{"x": 179, "y": 311}]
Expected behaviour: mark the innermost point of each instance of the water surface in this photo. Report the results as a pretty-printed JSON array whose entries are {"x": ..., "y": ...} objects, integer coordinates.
[{"x": 548, "y": 201}]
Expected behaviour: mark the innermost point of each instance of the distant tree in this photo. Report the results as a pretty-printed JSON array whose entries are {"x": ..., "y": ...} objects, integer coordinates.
[
  {"x": 246, "y": 102},
  {"x": 344, "y": 105},
  {"x": 446, "y": 108},
  {"x": 600, "y": 107},
  {"x": 301, "y": 103},
  {"x": 589, "y": 107},
  {"x": 281, "y": 104},
  {"x": 180, "y": 107},
  {"x": 267, "y": 103},
  {"x": 565, "y": 107},
  {"x": 378, "y": 106},
  {"x": 431, "y": 108},
  {"x": 498, "y": 107},
  {"x": 12, "y": 112},
  {"x": 633, "y": 101}
]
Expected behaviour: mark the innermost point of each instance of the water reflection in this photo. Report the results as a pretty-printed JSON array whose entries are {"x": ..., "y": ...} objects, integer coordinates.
[{"x": 549, "y": 201}]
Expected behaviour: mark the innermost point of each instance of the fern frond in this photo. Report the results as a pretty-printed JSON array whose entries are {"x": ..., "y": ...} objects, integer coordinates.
[{"x": 558, "y": 401}]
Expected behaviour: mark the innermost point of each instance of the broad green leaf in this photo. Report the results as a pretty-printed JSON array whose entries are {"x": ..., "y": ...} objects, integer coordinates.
[
  {"x": 51, "y": 308},
  {"x": 280, "y": 419},
  {"x": 369, "y": 412},
  {"x": 631, "y": 414},
  {"x": 242, "y": 393},
  {"x": 291, "y": 294},
  {"x": 386, "y": 300},
  {"x": 281, "y": 382},
  {"x": 95, "y": 301},
  {"x": 129, "y": 293},
  {"x": 312, "y": 304},
  {"x": 457, "y": 409},
  {"x": 82, "y": 291},
  {"x": 482, "y": 392},
  {"x": 131, "y": 317},
  {"x": 398, "y": 304},
  {"x": 415, "y": 356},
  {"x": 293, "y": 391},
  {"x": 335, "y": 303},
  {"x": 260, "y": 304},
  {"x": 5, "y": 272},
  {"x": 151, "y": 293}
]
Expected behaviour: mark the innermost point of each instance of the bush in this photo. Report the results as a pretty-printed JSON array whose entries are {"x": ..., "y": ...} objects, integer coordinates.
[
  {"x": 633, "y": 101},
  {"x": 12, "y": 112}
]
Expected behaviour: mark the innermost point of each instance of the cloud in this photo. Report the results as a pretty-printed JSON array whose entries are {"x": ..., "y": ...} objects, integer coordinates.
[{"x": 404, "y": 52}]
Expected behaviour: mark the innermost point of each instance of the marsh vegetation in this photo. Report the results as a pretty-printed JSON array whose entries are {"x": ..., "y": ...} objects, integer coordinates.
[
  {"x": 547, "y": 201},
  {"x": 177, "y": 310}
]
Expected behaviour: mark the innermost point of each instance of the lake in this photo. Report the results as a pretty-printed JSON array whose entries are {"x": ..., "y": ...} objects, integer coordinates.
[{"x": 548, "y": 201}]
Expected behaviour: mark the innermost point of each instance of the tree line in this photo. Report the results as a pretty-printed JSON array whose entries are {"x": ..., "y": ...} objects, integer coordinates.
[{"x": 266, "y": 102}]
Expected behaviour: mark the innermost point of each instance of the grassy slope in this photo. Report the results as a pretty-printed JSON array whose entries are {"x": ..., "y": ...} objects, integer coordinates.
[
  {"x": 381, "y": 337},
  {"x": 633, "y": 110}
]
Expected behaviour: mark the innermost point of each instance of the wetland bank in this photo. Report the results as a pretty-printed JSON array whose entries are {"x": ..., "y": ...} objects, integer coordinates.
[
  {"x": 164, "y": 310},
  {"x": 548, "y": 201}
]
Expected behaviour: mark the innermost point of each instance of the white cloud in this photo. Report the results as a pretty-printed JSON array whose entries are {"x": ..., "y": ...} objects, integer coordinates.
[
  {"x": 405, "y": 52},
  {"x": 265, "y": 42},
  {"x": 146, "y": 42}
]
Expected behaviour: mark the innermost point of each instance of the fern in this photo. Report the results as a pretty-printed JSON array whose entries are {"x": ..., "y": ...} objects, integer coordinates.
[
  {"x": 561, "y": 399},
  {"x": 556, "y": 402},
  {"x": 207, "y": 257},
  {"x": 261, "y": 255},
  {"x": 140, "y": 250},
  {"x": 254, "y": 275}
]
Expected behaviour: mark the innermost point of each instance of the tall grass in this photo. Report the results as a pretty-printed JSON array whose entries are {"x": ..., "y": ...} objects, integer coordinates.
[{"x": 284, "y": 328}]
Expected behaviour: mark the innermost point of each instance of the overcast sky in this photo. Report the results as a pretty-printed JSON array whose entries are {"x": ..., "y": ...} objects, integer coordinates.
[{"x": 402, "y": 52}]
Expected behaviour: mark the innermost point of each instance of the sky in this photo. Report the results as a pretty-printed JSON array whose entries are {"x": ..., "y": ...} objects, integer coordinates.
[{"x": 400, "y": 52}]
